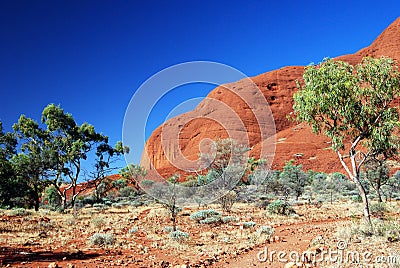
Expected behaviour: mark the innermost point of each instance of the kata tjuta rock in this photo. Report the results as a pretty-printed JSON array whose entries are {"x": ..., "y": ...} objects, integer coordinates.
[{"x": 180, "y": 139}]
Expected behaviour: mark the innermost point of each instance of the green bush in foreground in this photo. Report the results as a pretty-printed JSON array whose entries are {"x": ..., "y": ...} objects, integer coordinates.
[
  {"x": 99, "y": 239},
  {"x": 280, "y": 207},
  {"x": 179, "y": 236},
  {"x": 203, "y": 214}
]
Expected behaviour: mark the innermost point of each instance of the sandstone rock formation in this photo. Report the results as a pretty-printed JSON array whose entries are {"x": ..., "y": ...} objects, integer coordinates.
[{"x": 175, "y": 145}]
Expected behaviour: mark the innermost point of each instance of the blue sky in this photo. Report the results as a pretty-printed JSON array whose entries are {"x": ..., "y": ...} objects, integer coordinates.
[{"x": 91, "y": 56}]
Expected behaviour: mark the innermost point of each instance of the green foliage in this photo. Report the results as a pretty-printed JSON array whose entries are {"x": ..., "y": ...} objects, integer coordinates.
[
  {"x": 100, "y": 239},
  {"x": 51, "y": 196},
  {"x": 228, "y": 219},
  {"x": 280, "y": 207},
  {"x": 268, "y": 231},
  {"x": 248, "y": 224},
  {"x": 215, "y": 219},
  {"x": 105, "y": 155},
  {"x": 118, "y": 184},
  {"x": 356, "y": 198},
  {"x": 133, "y": 174},
  {"x": 294, "y": 178},
  {"x": 386, "y": 229},
  {"x": 342, "y": 100},
  {"x": 353, "y": 106},
  {"x": 203, "y": 214},
  {"x": 179, "y": 236},
  {"x": 126, "y": 191},
  {"x": 378, "y": 209},
  {"x": 20, "y": 212},
  {"x": 376, "y": 174},
  {"x": 11, "y": 186}
]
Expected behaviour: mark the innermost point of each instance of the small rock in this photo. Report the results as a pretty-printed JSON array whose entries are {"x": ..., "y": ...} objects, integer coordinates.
[
  {"x": 70, "y": 265},
  {"x": 53, "y": 265}
]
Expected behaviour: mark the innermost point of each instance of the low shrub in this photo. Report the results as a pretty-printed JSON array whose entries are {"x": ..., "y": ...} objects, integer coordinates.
[
  {"x": 179, "y": 236},
  {"x": 228, "y": 219},
  {"x": 280, "y": 207},
  {"x": 248, "y": 224},
  {"x": 99, "y": 239},
  {"x": 20, "y": 212},
  {"x": 136, "y": 203},
  {"x": 268, "y": 230},
  {"x": 356, "y": 198},
  {"x": 203, "y": 214},
  {"x": 211, "y": 220},
  {"x": 378, "y": 209}
]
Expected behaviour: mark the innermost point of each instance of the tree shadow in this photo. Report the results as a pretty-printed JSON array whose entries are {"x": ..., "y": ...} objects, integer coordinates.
[{"x": 9, "y": 255}]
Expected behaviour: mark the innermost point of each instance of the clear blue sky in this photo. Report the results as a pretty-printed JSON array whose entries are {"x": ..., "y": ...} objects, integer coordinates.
[{"x": 91, "y": 56}]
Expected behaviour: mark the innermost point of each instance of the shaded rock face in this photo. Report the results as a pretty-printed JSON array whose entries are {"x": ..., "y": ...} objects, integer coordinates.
[{"x": 233, "y": 110}]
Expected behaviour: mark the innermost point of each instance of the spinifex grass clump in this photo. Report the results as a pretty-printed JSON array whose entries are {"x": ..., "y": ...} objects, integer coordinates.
[
  {"x": 228, "y": 219},
  {"x": 202, "y": 215},
  {"x": 179, "y": 236}
]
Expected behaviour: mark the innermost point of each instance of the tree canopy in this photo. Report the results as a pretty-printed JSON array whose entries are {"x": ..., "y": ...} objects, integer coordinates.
[{"x": 354, "y": 107}]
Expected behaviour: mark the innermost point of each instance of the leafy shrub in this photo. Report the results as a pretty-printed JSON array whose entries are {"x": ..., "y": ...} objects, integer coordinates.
[
  {"x": 126, "y": 191},
  {"x": 267, "y": 230},
  {"x": 390, "y": 230},
  {"x": 228, "y": 219},
  {"x": 249, "y": 224},
  {"x": 378, "y": 209},
  {"x": 20, "y": 212},
  {"x": 211, "y": 220},
  {"x": 203, "y": 214},
  {"x": 280, "y": 207},
  {"x": 99, "y": 239},
  {"x": 356, "y": 199},
  {"x": 179, "y": 236}
]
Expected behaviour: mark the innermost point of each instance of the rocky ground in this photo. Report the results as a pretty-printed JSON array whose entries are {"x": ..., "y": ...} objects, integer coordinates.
[{"x": 51, "y": 239}]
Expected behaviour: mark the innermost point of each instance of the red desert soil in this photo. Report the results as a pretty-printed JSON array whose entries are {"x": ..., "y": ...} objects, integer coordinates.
[{"x": 277, "y": 87}]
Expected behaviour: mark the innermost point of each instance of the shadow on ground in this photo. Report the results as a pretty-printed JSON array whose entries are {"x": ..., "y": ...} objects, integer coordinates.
[{"x": 10, "y": 255}]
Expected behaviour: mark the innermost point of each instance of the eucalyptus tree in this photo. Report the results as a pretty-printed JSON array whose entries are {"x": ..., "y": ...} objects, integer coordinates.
[
  {"x": 134, "y": 174},
  {"x": 71, "y": 144},
  {"x": 353, "y": 106},
  {"x": 34, "y": 163},
  {"x": 9, "y": 186},
  {"x": 106, "y": 155}
]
